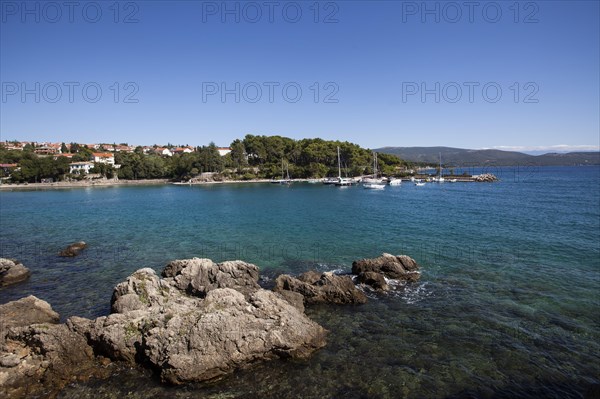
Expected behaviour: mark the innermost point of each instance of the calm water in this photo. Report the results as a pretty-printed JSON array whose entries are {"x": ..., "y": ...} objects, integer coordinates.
[{"x": 507, "y": 305}]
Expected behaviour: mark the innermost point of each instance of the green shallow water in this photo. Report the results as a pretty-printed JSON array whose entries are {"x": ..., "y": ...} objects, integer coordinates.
[{"x": 507, "y": 305}]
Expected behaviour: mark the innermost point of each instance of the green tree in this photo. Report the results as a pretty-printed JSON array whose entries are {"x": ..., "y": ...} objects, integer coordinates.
[{"x": 238, "y": 154}]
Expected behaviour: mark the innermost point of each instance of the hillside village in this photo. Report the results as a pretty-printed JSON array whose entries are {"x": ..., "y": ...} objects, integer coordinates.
[{"x": 92, "y": 153}]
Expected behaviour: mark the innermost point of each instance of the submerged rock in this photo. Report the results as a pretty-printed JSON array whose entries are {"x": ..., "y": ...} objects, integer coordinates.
[
  {"x": 321, "y": 288},
  {"x": 73, "y": 249},
  {"x": 12, "y": 271},
  {"x": 201, "y": 321},
  {"x": 398, "y": 267}
]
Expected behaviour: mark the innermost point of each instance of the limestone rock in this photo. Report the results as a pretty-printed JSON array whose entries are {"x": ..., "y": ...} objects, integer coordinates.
[
  {"x": 198, "y": 276},
  {"x": 24, "y": 312},
  {"x": 38, "y": 356},
  {"x": 43, "y": 358},
  {"x": 373, "y": 280},
  {"x": 12, "y": 271},
  {"x": 193, "y": 325},
  {"x": 399, "y": 267},
  {"x": 328, "y": 288}
]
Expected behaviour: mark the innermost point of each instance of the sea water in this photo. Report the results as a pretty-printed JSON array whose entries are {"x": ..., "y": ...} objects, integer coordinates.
[{"x": 507, "y": 304}]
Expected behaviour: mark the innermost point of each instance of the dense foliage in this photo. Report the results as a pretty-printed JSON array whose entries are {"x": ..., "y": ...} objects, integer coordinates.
[
  {"x": 312, "y": 157},
  {"x": 252, "y": 157}
]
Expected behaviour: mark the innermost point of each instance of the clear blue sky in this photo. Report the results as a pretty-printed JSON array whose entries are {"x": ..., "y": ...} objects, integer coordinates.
[{"x": 374, "y": 58}]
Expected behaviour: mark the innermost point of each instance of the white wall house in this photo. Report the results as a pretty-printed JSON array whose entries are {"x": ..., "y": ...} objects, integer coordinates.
[
  {"x": 224, "y": 151},
  {"x": 80, "y": 167},
  {"x": 164, "y": 151},
  {"x": 103, "y": 157}
]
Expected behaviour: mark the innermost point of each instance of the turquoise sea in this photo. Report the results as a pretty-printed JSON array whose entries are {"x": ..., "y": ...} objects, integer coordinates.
[{"x": 507, "y": 306}]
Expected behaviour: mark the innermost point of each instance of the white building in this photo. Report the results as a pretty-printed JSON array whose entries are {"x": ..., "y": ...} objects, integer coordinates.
[
  {"x": 103, "y": 157},
  {"x": 223, "y": 151},
  {"x": 82, "y": 168},
  {"x": 163, "y": 151}
]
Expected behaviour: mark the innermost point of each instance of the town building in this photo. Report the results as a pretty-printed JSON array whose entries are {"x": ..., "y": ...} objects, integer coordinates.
[
  {"x": 103, "y": 157},
  {"x": 163, "y": 151},
  {"x": 223, "y": 151},
  {"x": 80, "y": 167}
]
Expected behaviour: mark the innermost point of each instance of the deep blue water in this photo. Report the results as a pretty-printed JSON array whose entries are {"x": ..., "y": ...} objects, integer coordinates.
[{"x": 507, "y": 304}]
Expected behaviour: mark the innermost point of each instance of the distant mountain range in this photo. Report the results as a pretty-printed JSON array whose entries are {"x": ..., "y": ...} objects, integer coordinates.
[{"x": 463, "y": 157}]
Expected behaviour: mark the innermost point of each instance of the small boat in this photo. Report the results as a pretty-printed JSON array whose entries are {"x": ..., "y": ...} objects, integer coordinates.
[
  {"x": 394, "y": 182},
  {"x": 374, "y": 186},
  {"x": 419, "y": 183},
  {"x": 314, "y": 181},
  {"x": 344, "y": 182},
  {"x": 330, "y": 181},
  {"x": 453, "y": 180}
]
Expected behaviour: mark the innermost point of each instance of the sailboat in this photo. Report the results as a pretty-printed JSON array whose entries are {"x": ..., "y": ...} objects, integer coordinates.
[
  {"x": 439, "y": 179},
  {"x": 374, "y": 183},
  {"x": 283, "y": 180},
  {"x": 342, "y": 181}
]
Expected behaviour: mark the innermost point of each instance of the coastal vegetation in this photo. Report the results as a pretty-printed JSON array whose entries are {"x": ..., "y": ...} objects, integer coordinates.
[{"x": 254, "y": 157}]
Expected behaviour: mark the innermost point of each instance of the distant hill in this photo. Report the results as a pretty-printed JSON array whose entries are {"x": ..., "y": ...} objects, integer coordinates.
[{"x": 464, "y": 157}]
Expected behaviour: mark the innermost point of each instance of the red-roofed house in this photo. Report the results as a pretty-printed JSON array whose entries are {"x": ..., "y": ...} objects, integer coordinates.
[
  {"x": 163, "y": 151},
  {"x": 8, "y": 167},
  {"x": 182, "y": 150}
]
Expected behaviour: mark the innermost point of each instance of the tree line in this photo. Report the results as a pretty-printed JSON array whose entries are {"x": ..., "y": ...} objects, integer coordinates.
[{"x": 250, "y": 158}]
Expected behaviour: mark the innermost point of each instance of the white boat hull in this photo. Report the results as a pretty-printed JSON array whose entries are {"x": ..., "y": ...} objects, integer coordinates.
[{"x": 374, "y": 186}]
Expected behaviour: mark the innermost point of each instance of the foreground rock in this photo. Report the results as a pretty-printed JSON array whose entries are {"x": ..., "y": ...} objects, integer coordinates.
[
  {"x": 321, "y": 288},
  {"x": 38, "y": 356},
  {"x": 397, "y": 267},
  {"x": 25, "y": 312},
  {"x": 12, "y": 271},
  {"x": 73, "y": 249},
  {"x": 198, "y": 276},
  {"x": 201, "y": 321}
]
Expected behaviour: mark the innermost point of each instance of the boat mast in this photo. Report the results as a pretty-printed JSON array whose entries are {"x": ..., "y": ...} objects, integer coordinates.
[
  {"x": 374, "y": 165},
  {"x": 339, "y": 164}
]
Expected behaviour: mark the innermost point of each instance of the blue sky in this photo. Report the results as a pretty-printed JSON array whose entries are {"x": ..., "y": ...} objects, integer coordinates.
[{"x": 379, "y": 73}]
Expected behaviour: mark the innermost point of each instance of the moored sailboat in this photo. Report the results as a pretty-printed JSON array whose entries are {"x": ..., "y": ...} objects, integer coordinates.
[
  {"x": 374, "y": 183},
  {"x": 342, "y": 181}
]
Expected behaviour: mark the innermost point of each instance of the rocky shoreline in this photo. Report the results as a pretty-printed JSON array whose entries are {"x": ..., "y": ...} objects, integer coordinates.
[{"x": 197, "y": 321}]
